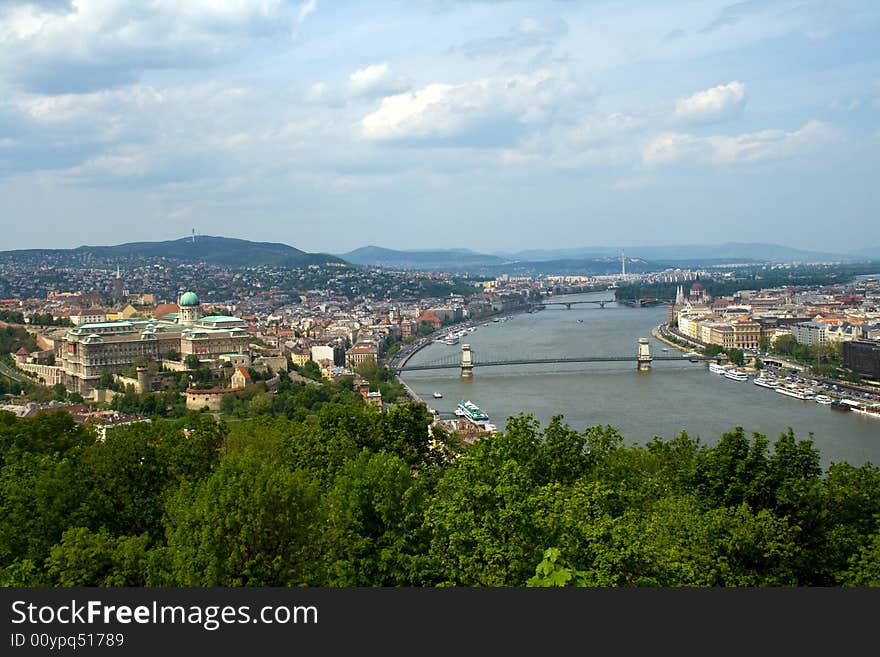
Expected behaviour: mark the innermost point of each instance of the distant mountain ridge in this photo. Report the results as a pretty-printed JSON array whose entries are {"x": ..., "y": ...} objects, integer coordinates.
[
  {"x": 585, "y": 260},
  {"x": 377, "y": 256},
  {"x": 227, "y": 251},
  {"x": 727, "y": 250}
]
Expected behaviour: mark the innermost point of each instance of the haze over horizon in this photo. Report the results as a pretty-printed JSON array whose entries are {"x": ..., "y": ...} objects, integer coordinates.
[{"x": 494, "y": 126}]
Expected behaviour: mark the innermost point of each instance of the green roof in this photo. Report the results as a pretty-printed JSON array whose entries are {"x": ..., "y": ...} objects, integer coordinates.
[
  {"x": 189, "y": 299},
  {"x": 213, "y": 319}
]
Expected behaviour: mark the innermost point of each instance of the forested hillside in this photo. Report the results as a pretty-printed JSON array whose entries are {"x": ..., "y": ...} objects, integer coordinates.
[{"x": 345, "y": 495}]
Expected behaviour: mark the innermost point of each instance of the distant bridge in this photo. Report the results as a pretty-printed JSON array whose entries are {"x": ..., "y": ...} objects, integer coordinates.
[
  {"x": 467, "y": 361},
  {"x": 568, "y": 304}
]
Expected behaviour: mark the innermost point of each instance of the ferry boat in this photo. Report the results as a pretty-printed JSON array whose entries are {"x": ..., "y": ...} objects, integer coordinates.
[
  {"x": 840, "y": 405},
  {"x": 764, "y": 382},
  {"x": 871, "y": 410},
  {"x": 715, "y": 368},
  {"x": 472, "y": 412},
  {"x": 825, "y": 400},
  {"x": 736, "y": 376},
  {"x": 797, "y": 393},
  {"x": 438, "y": 395}
]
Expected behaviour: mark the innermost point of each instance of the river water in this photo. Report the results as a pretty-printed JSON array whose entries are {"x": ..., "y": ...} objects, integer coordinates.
[{"x": 673, "y": 396}]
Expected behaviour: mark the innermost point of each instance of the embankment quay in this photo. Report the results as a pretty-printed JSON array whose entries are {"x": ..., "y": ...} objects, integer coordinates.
[{"x": 668, "y": 335}]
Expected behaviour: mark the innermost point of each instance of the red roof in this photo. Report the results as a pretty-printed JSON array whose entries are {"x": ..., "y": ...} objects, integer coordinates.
[
  {"x": 243, "y": 371},
  {"x": 165, "y": 308},
  {"x": 21, "y": 352}
]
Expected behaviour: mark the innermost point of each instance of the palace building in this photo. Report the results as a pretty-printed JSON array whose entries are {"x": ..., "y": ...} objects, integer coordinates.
[{"x": 88, "y": 351}]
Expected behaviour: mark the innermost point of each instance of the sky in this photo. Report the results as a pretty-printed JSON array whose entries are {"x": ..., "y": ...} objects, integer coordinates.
[{"x": 431, "y": 124}]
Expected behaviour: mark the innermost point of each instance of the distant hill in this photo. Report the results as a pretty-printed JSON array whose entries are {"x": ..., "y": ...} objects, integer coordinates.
[
  {"x": 869, "y": 253},
  {"x": 225, "y": 251},
  {"x": 740, "y": 251},
  {"x": 440, "y": 260}
]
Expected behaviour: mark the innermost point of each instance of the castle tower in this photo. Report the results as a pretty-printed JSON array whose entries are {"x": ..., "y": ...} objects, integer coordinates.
[
  {"x": 144, "y": 380},
  {"x": 190, "y": 309}
]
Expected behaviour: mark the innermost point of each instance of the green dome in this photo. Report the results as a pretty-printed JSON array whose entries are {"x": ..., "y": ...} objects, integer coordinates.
[{"x": 189, "y": 299}]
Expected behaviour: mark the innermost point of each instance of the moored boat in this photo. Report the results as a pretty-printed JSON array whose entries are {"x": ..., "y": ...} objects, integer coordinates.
[
  {"x": 472, "y": 412},
  {"x": 715, "y": 368},
  {"x": 797, "y": 393},
  {"x": 765, "y": 382},
  {"x": 839, "y": 405},
  {"x": 736, "y": 376},
  {"x": 825, "y": 400},
  {"x": 871, "y": 410}
]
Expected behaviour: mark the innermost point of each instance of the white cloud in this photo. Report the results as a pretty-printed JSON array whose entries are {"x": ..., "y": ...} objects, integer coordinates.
[
  {"x": 721, "y": 103},
  {"x": 496, "y": 104},
  {"x": 305, "y": 9},
  {"x": 674, "y": 147},
  {"x": 96, "y": 45},
  {"x": 375, "y": 79},
  {"x": 671, "y": 147}
]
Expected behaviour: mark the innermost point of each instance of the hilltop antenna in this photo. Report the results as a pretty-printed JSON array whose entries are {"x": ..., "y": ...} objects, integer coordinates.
[
  {"x": 622, "y": 264},
  {"x": 194, "y": 235}
]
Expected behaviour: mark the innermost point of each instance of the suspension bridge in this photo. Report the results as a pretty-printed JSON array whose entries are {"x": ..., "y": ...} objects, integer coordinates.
[{"x": 467, "y": 360}]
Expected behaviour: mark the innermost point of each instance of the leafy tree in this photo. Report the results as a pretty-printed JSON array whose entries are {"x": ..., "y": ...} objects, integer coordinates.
[
  {"x": 553, "y": 571},
  {"x": 374, "y": 534},
  {"x": 250, "y": 523},
  {"x": 736, "y": 356},
  {"x": 864, "y": 568},
  {"x": 86, "y": 558}
]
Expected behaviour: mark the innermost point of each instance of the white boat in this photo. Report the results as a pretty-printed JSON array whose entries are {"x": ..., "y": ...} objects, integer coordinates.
[
  {"x": 825, "y": 400},
  {"x": 450, "y": 340},
  {"x": 438, "y": 395},
  {"x": 765, "y": 382},
  {"x": 736, "y": 376},
  {"x": 715, "y": 368},
  {"x": 871, "y": 410},
  {"x": 797, "y": 393},
  {"x": 472, "y": 412}
]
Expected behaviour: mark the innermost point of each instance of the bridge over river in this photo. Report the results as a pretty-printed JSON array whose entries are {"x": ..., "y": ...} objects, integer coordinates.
[{"x": 467, "y": 361}]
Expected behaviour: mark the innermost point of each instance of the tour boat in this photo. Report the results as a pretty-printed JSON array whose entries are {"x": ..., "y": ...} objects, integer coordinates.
[
  {"x": 797, "y": 393},
  {"x": 715, "y": 368},
  {"x": 472, "y": 412},
  {"x": 764, "y": 382},
  {"x": 871, "y": 410},
  {"x": 840, "y": 405},
  {"x": 438, "y": 395},
  {"x": 825, "y": 400},
  {"x": 736, "y": 376}
]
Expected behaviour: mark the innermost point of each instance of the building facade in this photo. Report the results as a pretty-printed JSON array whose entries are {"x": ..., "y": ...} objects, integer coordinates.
[
  {"x": 88, "y": 351},
  {"x": 862, "y": 357}
]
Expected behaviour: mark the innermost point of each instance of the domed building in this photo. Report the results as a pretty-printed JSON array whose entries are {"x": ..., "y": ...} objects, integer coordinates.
[
  {"x": 190, "y": 309},
  {"x": 88, "y": 351}
]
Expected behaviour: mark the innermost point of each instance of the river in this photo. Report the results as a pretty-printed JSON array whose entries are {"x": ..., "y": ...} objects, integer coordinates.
[{"x": 673, "y": 396}]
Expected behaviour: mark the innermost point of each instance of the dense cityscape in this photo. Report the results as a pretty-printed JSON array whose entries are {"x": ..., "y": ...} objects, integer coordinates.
[{"x": 330, "y": 319}]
